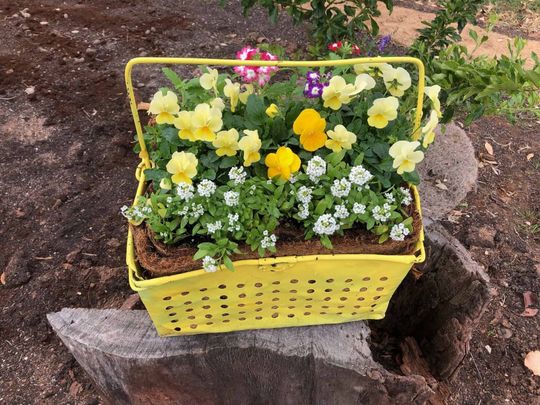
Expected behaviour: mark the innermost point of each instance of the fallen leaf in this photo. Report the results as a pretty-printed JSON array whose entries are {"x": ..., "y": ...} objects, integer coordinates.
[
  {"x": 530, "y": 156},
  {"x": 143, "y": 106},
  {"x": 530, "y": 301},
  {"x": 488, "y": 348},
  {"x": 75, "y": 388},
  {"x": 532, "y": 361},
  {"x": 440, "y": 184},
  {"x": 489, "y": 148},
  {"x": 3, "y": 278}
]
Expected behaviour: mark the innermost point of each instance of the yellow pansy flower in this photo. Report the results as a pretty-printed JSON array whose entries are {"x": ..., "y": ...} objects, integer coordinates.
[
  {"x": 184, "y": 122},
  {"x": 218, "y": 103},
  {"x": 250, "y": 145},
  {"x": 206, "y": 122},
  {"x": 209, "y": 80},
  {"x": 396, "y": 81},
  {"x": 248, "y": 90},
  {"x": 364, "y": 82},
  {"x": 272, "y": 110},
  {"x": 428, "y": 131},
  {"x": 337, "y": 93},
  {"x": 405, "y": 156},
  {"x": 282, "y": 163},
  {"x": 433, "y": 93},
  {"x": 340, "y": 138},
  {"x": 310, "y": 126},
  {"x": 164, "y": 107},
  {"x": 374, "y": 69},
  {"x": 382, "y": 111},
  {"x": 183, "y": 167},
  {"x": 226, "y": 142},
  {"x": 232, "y": 91}
]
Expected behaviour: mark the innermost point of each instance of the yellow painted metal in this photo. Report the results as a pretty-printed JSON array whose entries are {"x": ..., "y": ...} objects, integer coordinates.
[{"x": 271, "y": 292}]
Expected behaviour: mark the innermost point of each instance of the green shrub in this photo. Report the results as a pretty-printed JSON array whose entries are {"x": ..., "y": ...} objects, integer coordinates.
[{"x": 330, "y": 20}]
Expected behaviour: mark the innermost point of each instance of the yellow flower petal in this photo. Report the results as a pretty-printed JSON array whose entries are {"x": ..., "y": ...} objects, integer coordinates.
[
  {"x": 282, "y": 163},
  {"x": 182, "y": 166}
]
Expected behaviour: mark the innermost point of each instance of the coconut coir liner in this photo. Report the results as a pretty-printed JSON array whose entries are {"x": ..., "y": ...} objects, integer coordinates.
[{"x": 160, "y": 259}]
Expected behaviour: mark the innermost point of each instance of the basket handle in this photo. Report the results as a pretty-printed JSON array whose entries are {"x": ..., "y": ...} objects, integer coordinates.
[{"x": 235, "y": 62}]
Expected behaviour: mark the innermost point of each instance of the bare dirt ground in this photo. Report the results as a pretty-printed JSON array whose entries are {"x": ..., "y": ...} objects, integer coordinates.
[{"x": 66, "y": 136}]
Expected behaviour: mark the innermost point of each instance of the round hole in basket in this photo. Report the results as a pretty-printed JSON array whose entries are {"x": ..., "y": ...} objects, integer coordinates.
[
  {"x": 174, "y": 320},
  {"x": 258, "y": 303},
  {"x": 172, "y": 314},
  {"x": 308, "y": 306},
  {"x": 363, "y": 289},
  {"x": 323, "y": 313},
  {"x": 209, "y": 323},
  {"x": 294, "y": 281},
  {"x": 383, "y": 278},
  {"x": 241, "y": 305},
  {"x": 258, "y": 318},
  {"x": 310, "y": 291},
  {"x": 241, "y": 295},
  {"x": 360, "y": 299},
  {"x": 346, "y": 290},
  {"x": 343, "y": 298},
  {"x": 226, "y": 320},
  {"x": 275, "y": 306},
  {"x": 293, "y": 291},
  {"x": 168, "y": 308},
  {"x": 330, "y": 280},
  {"x": 166, "y": 298},
  {"x": 223, "y": 297},
  {"x": 377, "y": 297},
  {"x": 205, "y": 298},
  {"x": 275, "y": 299},
  {"x": 184, "y": 293},
  {"x": 275, "y": 291},
  {"x": 312, "y": 281},
  {"x": 191, "y": 317},
  {"x": 258, "y": 294},
  {"x": 242, "y": 319},
  {"x": 325, "y": 307},
  {"x": 177, "y": 329},
  {"x": 291, "y": 307},
  {"x": 349, "y": 280},
  {"x": 258, "y": 309},
  {"x": 222, "y": 286},
  {"x": 225, "y": 314},
  {"x": 341, "y": 306},
  {"x": 309, "y": 299},
  {"x": 353, "y": 313},
  {"x": 328, "y": 290},
  {"x": 292, "y": 299},
  {"x": 208, "y": 316},
  {"x": 291, "y": 315},
  {"x": 366, "y": 279},
  {"x": 327, "y": 298},
  {"x": 206, "y": 307},
  {"x": 275, "y": 282},
  {"x": 380, "y": 288},
  {"x": 275, "y": 315},
  {"x": 224, "y": 306},
  {"x": 240, "y": 285},
  {"x": 189, "y": 309},
  {"x": 258, "y": 285},
  {"x": 203, "y": 289},
  {"x": 188, "y": 303},
  {"x": 307, "y": 313}
]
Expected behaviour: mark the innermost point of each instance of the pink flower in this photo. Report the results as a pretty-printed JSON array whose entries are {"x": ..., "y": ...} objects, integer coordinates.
[
  {"x": 335, "y": 46},
  {"x": 250, "y": 74},
  {"x": 355, "y": 49}
]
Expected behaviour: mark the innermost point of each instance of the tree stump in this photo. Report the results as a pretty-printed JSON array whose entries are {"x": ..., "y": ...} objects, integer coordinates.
[{"x": 327, "y": 364}]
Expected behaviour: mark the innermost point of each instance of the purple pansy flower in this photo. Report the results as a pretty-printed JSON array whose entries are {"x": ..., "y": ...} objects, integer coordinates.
[
  {"x": 383, "y": 42},
  {"x": 312, "y": 76}
]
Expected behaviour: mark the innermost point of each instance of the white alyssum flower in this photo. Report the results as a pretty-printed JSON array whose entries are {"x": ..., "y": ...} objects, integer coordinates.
[
  {"x": 292, "y": 179},
  {"x": 390, "y": 198},
  {"x": 135, "y": 213},
  {"x": 231, "y": 198},
  {"x": 360, "y": 175},
  {"x": 197, "y": 210},
  {"x": 252, "y": 189},
  {"x": 398, "y": 232},
  {"x": 214, "y": 227},
  {"x": 185, "y": 191},
  {"x": 238, "y": 175},
  {"x": 233, "y": 222},
  {"x": 341, "y": 188},
  {"x": 316, "y": 167},
  {"x": 163, "y": 234},
  {"x": 341, "y": 212},
  {"x": 206, "y": 188},
  {"x": 381, "y": 214},
  {"x": 326, "y": 224},
  {"x": 146, "y": 210},
  {"x": 169, "y": 200},
  {"x": 183, "y": 211},
  {"x": 304, "y": 194},
  {"x": 209, "y": 264},
  {"x": 269, "y": 240},
  {"x": 359, "y": 208},
  {"x": 407, "y": 198},
  {"x": 303, "y": 212}
]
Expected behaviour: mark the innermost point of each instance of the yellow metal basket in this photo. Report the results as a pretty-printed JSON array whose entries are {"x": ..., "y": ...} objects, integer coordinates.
[{"x": 271, "y": 292}]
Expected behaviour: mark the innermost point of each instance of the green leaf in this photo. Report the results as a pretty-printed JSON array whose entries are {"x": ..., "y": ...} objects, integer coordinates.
[
  {"x": 325, "y": 241},
  {"x": 255, "y": 110},
  {"x": 228, "y": 263},
  {"x": 173, "y": 77},
  {"x": 155, "y": 174},
  {"x": 335, "y": 157}
]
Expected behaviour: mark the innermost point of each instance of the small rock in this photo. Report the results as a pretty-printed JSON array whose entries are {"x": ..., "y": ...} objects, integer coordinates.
[
  {"x": 483, "y": 237},
  {"x": 72, "y": 256},
  {"x": 9, "y": 71},
  {"x": 90, "y": 52},
  {"x": 43, "y": 23},
  {"x": 16, "y": 272},
  {"x": 68, "y": 266},
  {"x": 131, "y": 301},
  {"x": 505, "y": 333},
  {"x": 78, "y": 60},
  {"x": 30, "y": 90},
  {"x": 488, "y": 348},
  {"x": 144, "y": 53},
  {"x": 57, "y": 203}
]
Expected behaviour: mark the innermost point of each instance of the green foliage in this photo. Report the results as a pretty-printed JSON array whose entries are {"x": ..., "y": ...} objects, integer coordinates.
[
  {"x": 330, "y": 20},
  {"x": 446, "y": 27},
  {"x": 483, "y": 85}
]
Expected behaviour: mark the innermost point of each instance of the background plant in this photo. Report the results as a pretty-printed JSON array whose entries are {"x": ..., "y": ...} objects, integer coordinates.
[{"x": 330, "y": 20}]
